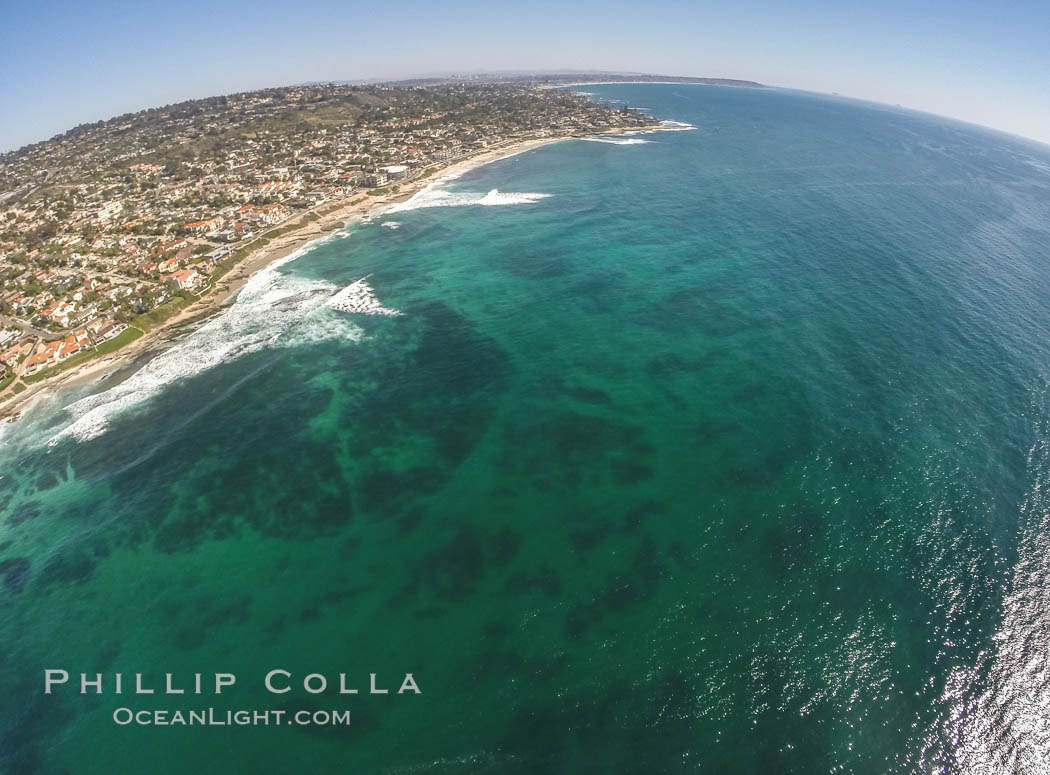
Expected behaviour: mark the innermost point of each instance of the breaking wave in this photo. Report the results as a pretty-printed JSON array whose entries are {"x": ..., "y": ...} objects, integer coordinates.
[
  {"x": 630, "y": 137},
  {"x": 272, "y": 310},
  {"x": 359, "y": 299},
  {"x": 391, "y": 224},
  {"x": 431, "y": 196},
  {"x": 617, "y": 140},
  {"x": 496, "y": 198},
  {"x": 674, "y": 126}
]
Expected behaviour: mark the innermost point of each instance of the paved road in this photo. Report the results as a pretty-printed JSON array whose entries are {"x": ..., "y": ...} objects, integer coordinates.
[{"x": 10, "y": 321}]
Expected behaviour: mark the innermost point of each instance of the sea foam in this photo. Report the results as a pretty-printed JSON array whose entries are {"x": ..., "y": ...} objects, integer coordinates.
[
  {"x": 496, "y": 198},
  {"x": 617, "y": 140},
  {"x": 431, "y": 196},
  {"x": 674, "y": 126},
  {"x": 359, "y": 298},
  {"x": 272, "y": 310}
]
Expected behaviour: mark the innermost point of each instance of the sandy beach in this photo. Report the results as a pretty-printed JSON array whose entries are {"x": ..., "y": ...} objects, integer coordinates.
[{"x": 346, "y": 211}]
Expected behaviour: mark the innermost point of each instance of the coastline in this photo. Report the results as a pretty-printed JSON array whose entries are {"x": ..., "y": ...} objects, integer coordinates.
[{"x": 345, "y": 211}]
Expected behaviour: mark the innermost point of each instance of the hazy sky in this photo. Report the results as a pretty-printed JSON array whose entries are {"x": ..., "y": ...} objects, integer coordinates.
[{"x": 62, "y": 64}]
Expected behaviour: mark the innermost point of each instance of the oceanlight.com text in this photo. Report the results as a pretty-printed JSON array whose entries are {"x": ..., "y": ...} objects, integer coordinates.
[{"x": 211, "y": 717}]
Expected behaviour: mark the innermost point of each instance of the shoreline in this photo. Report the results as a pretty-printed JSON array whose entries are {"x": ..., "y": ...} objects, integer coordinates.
[{"x": 345, "y": 211}]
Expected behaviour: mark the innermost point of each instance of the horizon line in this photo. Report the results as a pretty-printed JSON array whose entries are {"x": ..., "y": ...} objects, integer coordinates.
[{"x": 626, "y": 74}]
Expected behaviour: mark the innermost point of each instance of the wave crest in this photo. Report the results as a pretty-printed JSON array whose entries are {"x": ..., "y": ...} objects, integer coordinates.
[
  {"x": 439, "y": 197},
  {"x": 617, "y": 140},
  {"x": 496, "y": 198},
  {"x": 272, "y": 310},
  {"x": 674, "y": 126},
  {"x": 360, "y": 299}
]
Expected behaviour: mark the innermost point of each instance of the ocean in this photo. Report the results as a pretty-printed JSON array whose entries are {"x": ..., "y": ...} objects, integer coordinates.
[{"x": 716, "y": 450}]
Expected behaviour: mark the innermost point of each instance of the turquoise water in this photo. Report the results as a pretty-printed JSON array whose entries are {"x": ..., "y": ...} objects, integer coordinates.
[{"x": 728, "y": 455}]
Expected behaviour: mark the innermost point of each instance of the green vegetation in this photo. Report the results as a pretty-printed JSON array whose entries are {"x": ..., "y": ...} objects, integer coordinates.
[
  {"x": 150, "y": 320},
  {"x": 125, "y": 337},
  {"x": 18, "y": 388},
  {"x": 228, "y": 263}
]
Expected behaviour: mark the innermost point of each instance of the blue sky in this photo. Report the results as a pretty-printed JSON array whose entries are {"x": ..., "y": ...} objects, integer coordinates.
[{"x": 67, "y": 63}]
